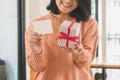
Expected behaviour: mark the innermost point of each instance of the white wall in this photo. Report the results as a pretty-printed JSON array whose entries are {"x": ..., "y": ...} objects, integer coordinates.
[
  {"x": 8, "y": 37},
  {"x": 35, "y": 9}
]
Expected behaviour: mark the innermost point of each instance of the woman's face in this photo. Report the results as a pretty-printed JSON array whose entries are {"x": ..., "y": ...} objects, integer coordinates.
[{"x": 66, "y": 6}]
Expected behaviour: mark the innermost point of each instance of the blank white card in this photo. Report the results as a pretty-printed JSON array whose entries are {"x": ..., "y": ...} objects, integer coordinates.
[{"x": 43, "y": 27}]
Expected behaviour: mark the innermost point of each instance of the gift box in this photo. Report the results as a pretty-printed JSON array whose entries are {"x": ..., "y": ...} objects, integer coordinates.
[{"x": 68, "y": 34}]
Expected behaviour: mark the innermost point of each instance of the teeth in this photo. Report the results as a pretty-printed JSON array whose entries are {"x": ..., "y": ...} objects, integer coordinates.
[{"x": 66, "y": 5}]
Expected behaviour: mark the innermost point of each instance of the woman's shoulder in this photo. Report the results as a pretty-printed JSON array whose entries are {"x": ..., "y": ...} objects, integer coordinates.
[
  {"x": 90, "y": 21},
  {"x": 90, "y": 24}
]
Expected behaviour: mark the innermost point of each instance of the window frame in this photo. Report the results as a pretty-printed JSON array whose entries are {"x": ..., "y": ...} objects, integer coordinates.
[{"x": 21, "y": 42}]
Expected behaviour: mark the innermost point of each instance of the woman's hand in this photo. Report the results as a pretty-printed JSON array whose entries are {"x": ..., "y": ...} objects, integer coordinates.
[
  {"x": 36, "y": 42},
  {"x": 76, "y": 49}
]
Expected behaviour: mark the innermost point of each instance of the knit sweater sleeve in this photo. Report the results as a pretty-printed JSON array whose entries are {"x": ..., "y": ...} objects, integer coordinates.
[
  {"x": 37, "y": 62},
  {"x": 89, "y": 43}
]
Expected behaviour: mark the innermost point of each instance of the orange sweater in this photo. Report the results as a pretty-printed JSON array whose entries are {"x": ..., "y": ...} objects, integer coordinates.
[{"x": 57, "y": 63}]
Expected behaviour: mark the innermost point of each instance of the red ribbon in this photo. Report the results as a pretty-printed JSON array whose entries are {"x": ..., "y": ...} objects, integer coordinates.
[{"x": 66, "y": 36}]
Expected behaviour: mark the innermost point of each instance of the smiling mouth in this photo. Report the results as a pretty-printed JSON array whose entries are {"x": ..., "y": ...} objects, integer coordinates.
[{"x": 66, "y": 5}]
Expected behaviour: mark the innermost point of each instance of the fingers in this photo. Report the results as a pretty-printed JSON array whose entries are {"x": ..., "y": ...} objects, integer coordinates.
[
  {"x": 35, "y": 39},
  {"x": 77, "y": 48},
  {"x": 34, "y": 34},
  {"x": 36, "y": 42}
]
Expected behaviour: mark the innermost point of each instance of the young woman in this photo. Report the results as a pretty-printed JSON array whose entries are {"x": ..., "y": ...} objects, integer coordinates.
[{"x": 52, "y": 62}]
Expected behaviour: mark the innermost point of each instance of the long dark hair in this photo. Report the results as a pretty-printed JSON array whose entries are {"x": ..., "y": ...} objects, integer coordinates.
[{"x": 81, "y": 13}]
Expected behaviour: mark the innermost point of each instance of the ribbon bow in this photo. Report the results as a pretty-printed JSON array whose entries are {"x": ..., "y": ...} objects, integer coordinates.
[{"x": 67, "y": 36}]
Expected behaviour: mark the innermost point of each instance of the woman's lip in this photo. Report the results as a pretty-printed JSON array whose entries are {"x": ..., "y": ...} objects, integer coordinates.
[{"x": 66, "y": 5}]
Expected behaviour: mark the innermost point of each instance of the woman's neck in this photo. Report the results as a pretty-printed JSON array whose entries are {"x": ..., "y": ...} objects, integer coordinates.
[{"x": 62, "y": 16}]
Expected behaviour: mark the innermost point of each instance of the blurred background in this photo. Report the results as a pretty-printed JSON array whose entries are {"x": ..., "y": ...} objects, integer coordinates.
[{"x": 15, "y": 16}]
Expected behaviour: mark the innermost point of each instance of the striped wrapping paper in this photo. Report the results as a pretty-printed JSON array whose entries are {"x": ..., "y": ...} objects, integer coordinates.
[{"x": 74, "y": 32}]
